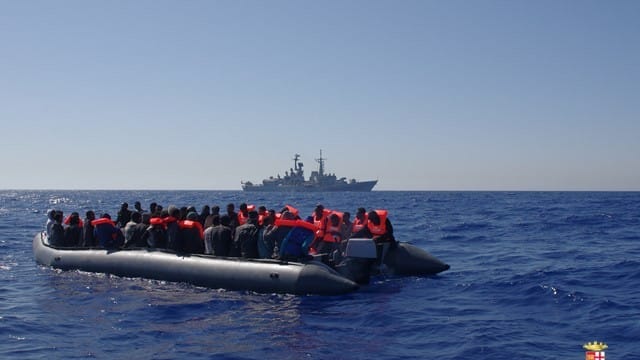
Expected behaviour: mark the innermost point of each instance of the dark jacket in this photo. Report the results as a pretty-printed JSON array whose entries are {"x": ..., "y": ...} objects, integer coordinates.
[
  {"x": 88, "y": 237},
  {"x": 218, "y": 238},
  {"x": 246, "y": 240},
  {"x": 108, "y": 236},
  {"x": 56, "y": 237},
  {"x": 191, "y": 240},
  {"x": 172, "y": 234},
  {"x": 73, "y": 236}
]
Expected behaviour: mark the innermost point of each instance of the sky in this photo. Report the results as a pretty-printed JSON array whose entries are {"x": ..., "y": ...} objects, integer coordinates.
[{"x": 420, "y": 95}]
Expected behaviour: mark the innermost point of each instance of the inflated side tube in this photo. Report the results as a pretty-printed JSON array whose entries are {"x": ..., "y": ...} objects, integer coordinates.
[
  {"x": 265, "y": 276},
  {"x": 406, "y": 259}
]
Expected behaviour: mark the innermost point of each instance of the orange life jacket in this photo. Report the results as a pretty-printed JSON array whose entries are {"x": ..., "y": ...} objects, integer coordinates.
[
  {"x": 333, "y": 233},
  {"x": 297, "y": 222},
  {"x": 156, "y": 221},
  {"x": 190, "y": 224},
  {"x": 377, "y": 230},
  {"x": 321, "y": 223},
  {"x": 242, "y": 218},
  {"x": 358, "y": 224},
  {"x": 67, "y": 221},
  {"x": 102, "y": 221}
]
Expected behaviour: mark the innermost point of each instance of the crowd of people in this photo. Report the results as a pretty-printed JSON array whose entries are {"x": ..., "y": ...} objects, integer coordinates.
[{"x": 247, "y": 233}]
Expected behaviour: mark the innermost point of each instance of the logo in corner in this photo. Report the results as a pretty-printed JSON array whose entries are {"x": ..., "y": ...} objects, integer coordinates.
[{"x": 594, "y": 350}]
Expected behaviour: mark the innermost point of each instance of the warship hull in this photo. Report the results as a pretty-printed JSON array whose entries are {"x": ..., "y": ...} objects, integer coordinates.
[{"x": 361, "y": 186}]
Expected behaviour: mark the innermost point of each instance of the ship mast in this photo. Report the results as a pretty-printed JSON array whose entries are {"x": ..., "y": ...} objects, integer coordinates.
[
  {"x": 321, "y": 164},
  {"x": 295, "y": 161}
]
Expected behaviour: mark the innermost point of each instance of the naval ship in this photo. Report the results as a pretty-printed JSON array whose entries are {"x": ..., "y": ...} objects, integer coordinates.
[{"x": 295, "y": 181}]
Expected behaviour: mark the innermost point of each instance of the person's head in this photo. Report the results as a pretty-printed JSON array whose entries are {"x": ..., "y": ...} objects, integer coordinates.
[
  {"x": 124, "y": 206},
  {"x": 361, "y": 213},
  {"x": 152, "y": 207},
  {"x": 374, "y": 218},
  {"x": 215, "y": 220},
  {"x": 74, "y": 219},
  {"x": 191, "y": 215},
  {"x": 106, "y": 216},
  {"x": 262, "y": 209},
  {"x": 58, "y": 216},
  {"x": 137, "y": 206},
  {"x": 287, "y": 215},
  {"x": 346, "y": 216},
  {"x": 175, "y": 212},
  {"x": 225, "y": 220},
  {"x": 136, "y": 217},
  {"x": 319, "y": 210},
  {"x": 90, "y": 215},
  {"x": 334, "y": 219},
  {"x": 215, "y": 210},
  {"x": 230, "y": 208},
  {"x": 253, "y": 217},
  {"x": 244, "y": 208},
  {"x": 51, "y": 214}
]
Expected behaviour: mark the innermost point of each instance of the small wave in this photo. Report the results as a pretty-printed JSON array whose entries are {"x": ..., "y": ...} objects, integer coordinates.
[{"x": 466, "y": 226}]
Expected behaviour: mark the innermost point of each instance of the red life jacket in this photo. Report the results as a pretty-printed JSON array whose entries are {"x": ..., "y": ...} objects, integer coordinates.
[
  {"x": 377, "y": 230},
  {"x": 333, "y": 233},
  {"x": 190, "y": 224}
]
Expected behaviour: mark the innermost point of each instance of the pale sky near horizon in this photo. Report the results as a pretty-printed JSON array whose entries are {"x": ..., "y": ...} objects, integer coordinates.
[{"x": 421, "y": 95}]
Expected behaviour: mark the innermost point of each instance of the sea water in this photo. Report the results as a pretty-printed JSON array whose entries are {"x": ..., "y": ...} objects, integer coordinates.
[{"x": 534, "y": 275}]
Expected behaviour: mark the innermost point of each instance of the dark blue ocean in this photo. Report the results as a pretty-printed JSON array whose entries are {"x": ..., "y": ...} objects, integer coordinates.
[{"x": 534, "y": 275}]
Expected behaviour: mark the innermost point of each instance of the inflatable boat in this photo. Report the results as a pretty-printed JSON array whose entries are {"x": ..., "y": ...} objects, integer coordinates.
[
  {"x": 265, "y": 276},
  {"x": 313, "y": 277}
]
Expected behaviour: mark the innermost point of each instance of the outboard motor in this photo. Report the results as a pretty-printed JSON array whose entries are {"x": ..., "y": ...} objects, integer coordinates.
[{"x": 360, "y": 256}]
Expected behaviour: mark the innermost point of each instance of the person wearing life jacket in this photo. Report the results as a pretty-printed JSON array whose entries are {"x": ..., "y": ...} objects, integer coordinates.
[
  {"x": 360, "y": 222},
  {"x": 107, "y": 233},
  {"x": 332, "y": 237},
  {"x": 380, "y": 227},
  {"x": 67, "y": 220},
  {"x": 155, "y": 235},
  {"x": 262, "y": 214},
  {"x": 73, "y": 232},
  {"x": 191, "y": 234},
  {"x": 275, "y": 234},
  {"x": 319, "y": 218},
  {"x": 292, "y": 237},
  {"x": 243, "y": 214}
]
